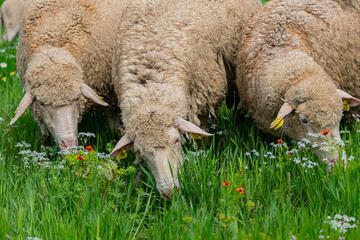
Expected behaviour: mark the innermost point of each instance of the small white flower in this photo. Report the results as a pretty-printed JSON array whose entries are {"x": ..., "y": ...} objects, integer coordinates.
[
  {"x": 247, "y": 154},
  {"x": 3, "y": 65}
]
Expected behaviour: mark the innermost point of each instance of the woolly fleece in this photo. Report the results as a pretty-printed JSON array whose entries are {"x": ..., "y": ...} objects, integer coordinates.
[
  {"x": 170, "y": 62},
  {"x": 300, "y": 51},
  {"x": 66, "y": 43}
]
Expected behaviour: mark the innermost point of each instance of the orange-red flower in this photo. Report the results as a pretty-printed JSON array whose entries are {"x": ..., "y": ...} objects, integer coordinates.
[
  {"x": 226, "y": 183},
  {"x": 89, "y": 148},
  {"x": 325, "y": 132},
  {"x": 241, "y": 172},
  {"x": 81, "y": 158},
  {"x": 279, "y": 141},
  {"x": 9, "y": 131},
  {"x": 240, "y": 190}
]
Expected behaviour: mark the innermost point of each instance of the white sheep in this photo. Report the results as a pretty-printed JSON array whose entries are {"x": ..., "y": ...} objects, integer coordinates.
[
  {"x": 170, "y": 65},
  {"x": 299, "y": 61},
  {"x": 64, "y": 57},
  {"x": 11, "y": 13}
]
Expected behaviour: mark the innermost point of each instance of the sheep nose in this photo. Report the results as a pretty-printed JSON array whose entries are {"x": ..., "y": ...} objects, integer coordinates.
[
  {"x": 67, "y": 143},
  {"x": 167, "y": 194}
]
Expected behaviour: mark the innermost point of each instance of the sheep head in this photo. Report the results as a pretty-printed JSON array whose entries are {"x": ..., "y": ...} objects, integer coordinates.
[
  {"x": 56, "y": 94},
  {"x": 155, "y": 137},
  {"x": 314, "y": 111}
]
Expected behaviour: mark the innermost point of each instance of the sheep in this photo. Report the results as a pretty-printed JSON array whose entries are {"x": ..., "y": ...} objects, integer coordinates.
[
  {"x": 299, "y": 61},
  {"x": 64, "y": 57},
  {"x": 169, "y": 65},
  {"x": 11, "y": 13}
]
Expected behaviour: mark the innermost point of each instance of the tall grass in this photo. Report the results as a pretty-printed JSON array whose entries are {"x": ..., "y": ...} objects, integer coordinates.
[{"x": 281, "y": 199}]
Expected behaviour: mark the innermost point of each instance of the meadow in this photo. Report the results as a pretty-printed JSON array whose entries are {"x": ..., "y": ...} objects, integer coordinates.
[{"x": 241, "y": 184}]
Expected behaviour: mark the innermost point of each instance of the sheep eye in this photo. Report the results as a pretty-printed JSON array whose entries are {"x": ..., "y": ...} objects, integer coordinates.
[
  {"x": 177, "y": 140},
  {"x": 304, "y": 121},
  {"x": 137, "y": 152},
  {"x": 42, "y": 106}
]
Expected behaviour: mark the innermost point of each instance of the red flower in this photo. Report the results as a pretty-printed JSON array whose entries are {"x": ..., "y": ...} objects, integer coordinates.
[
  {"x": 325, "y": 132},
  {"x": 342, "y": 223},
  {"x": 81, "y": 158},
  {"x": 240, "y": 190},
  {"x": 289, "y": 155},
  {"x": 226, "y": 183},
  {"x": 89, "y": 148},
  {"x": 9, "y": 131},
  {"x": 241, "y": 172},
  {"x": 279, "y": 141}
]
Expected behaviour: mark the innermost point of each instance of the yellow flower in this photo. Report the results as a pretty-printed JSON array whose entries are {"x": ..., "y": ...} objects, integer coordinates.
[
  {"x": 12, "y": 73},
  {"x": 4, "y": 79}
]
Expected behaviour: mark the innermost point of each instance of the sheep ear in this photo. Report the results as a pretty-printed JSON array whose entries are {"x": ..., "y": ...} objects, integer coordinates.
[
  {"x": 91, "y": 94},
  {"x": 27, "y": 100},
  {"x": 349, "y": 101},
  {"x": 189, "y": 127},
  {"x": 124, "y": 143},
  {"x": 285, "y": 110}
]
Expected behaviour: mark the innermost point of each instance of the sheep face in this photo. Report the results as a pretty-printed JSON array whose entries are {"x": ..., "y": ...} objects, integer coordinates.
[
  {"x": 315, "y": 117},
  {"x": 56, "y": 94},
  {"x": 159, "y": 143},
  {"x": 60, "y": 121},
  {"x": 163, "y": 161}
]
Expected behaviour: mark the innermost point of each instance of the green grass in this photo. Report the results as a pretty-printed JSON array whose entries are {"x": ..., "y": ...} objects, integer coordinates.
[{"x": 282, "y": 199}]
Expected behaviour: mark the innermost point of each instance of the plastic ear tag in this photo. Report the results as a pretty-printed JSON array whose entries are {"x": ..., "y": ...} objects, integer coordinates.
[
  {"x": 15, "y": 111},
  {"x": 277, "y": 123},
  {"x": 101, "y": 97},
  {"x": 195, "y": 136},
  {"x": 346, "y": 105},
  {"x": 122, "y": 154}
]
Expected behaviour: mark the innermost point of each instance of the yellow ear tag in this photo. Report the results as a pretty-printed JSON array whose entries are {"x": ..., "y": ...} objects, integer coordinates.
[
  {"x": 101, "y": 97},
  {"x": 277, "y": 123},
  {"x": 122, "y": 154},
  {"x": 346, "y": 105},
  {"x": 15, "y": 111},
  {"x": 195, "y": 136}
]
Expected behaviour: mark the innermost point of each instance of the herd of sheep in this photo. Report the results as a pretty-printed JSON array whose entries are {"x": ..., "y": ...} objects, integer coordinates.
[{"x": 164, "y": 66}]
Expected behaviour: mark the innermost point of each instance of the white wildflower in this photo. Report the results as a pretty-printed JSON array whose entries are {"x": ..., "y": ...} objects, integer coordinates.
[{"x": 87, "y": 134}]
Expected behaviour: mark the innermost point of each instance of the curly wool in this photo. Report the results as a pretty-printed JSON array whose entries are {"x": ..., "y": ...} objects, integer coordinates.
[
  {"x": 176, "y": 50},
  {"x": 149, "y": 123},
  {"x": 67, "y": 43},
  {"x": 299, "y": 48},
  {"x": 59, "y": 66}
]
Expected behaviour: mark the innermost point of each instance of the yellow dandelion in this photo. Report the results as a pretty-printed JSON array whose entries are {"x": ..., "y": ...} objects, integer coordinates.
[
  {"x": 4, "y": 79},
  {"x": 12, "y": 73}
]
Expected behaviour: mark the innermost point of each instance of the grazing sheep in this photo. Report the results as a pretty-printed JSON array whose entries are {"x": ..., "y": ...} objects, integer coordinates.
[
  {"x": 11, "y": 13},
  {"x": 64, "y": 56},
  {"x": 300, "y": 59},
  {"x": 170, "y": 65}
]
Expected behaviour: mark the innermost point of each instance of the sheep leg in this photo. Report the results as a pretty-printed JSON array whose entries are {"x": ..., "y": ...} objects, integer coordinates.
[
  {"x": 45, "y": 136},
  {"x": 138, "y": 163},
  {"x": 114, "y": 123}
]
